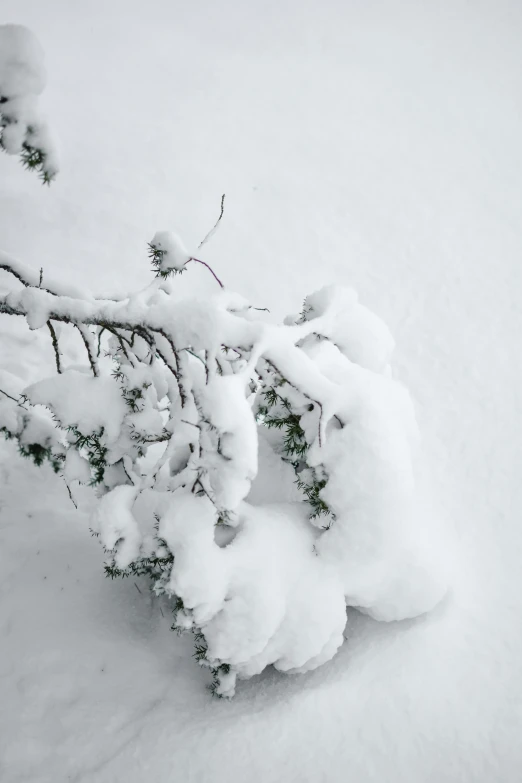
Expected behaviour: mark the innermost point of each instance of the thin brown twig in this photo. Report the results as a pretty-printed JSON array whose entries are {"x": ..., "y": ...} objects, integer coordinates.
[
  {"x": 71, "y": 495},
  {"x": 56, "y": 347},
  {"x": 204, "y": 263},
  {"x": 120, "y": 339},
  {"x": 214, "y": 227},
  {"x": 8, "y": 268},
  {"x": 11, "y": 398},
  {"x": 86, "y": 341},
  {"x": 102, "y": 329}
]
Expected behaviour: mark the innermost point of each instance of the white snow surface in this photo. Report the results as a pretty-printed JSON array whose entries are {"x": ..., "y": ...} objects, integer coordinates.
[
  {"x": 22, "y": 70},
  {"x": 358, "y": 333},
  {"x": 375, "y": 145}
]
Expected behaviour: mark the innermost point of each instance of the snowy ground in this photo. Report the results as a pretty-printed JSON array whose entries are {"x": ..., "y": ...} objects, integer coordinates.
[{"x": 375, "y": 144}]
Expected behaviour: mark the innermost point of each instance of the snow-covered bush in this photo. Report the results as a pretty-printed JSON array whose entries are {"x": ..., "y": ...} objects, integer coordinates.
[{"x": 261, "y": 475}]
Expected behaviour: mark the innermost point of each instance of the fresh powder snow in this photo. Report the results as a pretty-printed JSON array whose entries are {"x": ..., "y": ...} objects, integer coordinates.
[{"x": 370, "y": 146}]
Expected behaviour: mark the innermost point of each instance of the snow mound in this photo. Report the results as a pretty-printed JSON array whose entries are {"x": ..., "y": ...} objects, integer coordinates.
[
  {"x": 82, "y": 401},
  {"x": 266, "y": 598},
  {"x": 382, "y": 542},
  {"x": 359, "y": 334},
  {"x": 171, "y": 249},
  {"x": 233, "y": 465}
]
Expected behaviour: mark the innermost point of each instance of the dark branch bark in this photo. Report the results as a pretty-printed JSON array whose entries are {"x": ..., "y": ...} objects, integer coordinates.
[
  {"x": 198, "y": 261},
  {"x": 88, "y": 347},
  {"x": 216, "y": 224},
  {"x": 56, "y": 347},
  {"x": 10, "y": 397}
]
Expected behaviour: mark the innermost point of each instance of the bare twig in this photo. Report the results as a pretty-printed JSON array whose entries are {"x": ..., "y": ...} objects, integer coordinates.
[
  {"x": 178, "y": 372},
  {"x": 88, "y": 341},
  {"x": 191, "y": 423},
  {"x": 56, "y": 347},
  {"x": 192, "y": 353},
  {"x": 71, "y": 495},
  {"x": 19, "y": 276},
  {"x": 127, "y": 469},
  {"x": 26, "y": 276},
  {"x": 148, "y": 338},
  {"x": 31, "y": 279},
  {"x": 120, "y": 339},
  {"x": 215, "y": 226},
  {"x": 166, "y": 362},
  {"x": 198, "y": 261},
  {"x": 11, "y": 398},
  {"x": 206, "y": 239},
  {"x": 102, "y": 329}
]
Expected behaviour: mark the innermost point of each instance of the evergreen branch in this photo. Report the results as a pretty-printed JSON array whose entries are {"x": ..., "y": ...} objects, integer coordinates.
[
  {"x": 35, "y": 159},
  {"x": 156, "y": 255}
]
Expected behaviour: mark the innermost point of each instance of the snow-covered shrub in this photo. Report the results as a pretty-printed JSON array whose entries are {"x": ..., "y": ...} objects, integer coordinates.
[
  {"x": 261, "y": 475},
  {"x": 170, "y": 406}
]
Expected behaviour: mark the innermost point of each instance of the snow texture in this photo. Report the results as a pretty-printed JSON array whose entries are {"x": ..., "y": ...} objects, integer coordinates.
[
  {"x": 383, "y": 541},
  {"x": 358, "y": 333},
  {"x": 81, "y": 401},
  {"x": 22, "y": 79},
  {"x": 117, "y": 526},
  {"x": 233, "y": 465},
  {"x": 174, "y": 254},
  {"x": 22, "y": 69},
  {"x": 374, "y": 145},
  {"x": 263, "y": 599}
]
